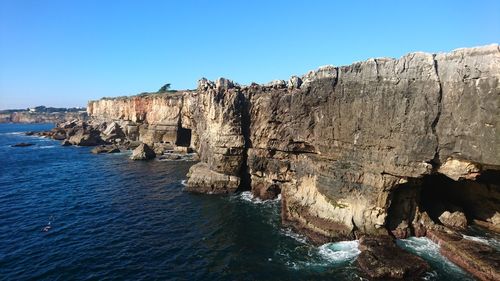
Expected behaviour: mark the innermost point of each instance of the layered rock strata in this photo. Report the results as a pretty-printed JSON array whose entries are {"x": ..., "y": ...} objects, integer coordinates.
[
  {"x": 25, "y": 116},
  {"x": 349, "y": 148},
  {"x": 481, "y": 260},
  {"x": 384, "y": 146}
]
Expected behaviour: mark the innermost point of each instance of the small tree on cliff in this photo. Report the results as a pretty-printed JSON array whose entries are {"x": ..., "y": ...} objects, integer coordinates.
[{"x": 165, "y": 88}]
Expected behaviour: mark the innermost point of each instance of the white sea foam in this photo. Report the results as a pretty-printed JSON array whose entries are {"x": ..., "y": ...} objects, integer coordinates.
[
  {"x": 184, "y": 182},
  {"x": 45, "y": 146},
  {"x": 339, "y": 251},
  {"x": 325, "y": 256},
  {"x": 12, "y": 133},
  {"x": 477, "y": 239},
  {"x": 249, "y": 197},
  {"x": 297, "y": 237},
  {"x": 425, "y": 248},
  {"x": 485, "y": 240},
  {"x": 181, "y": 157}
]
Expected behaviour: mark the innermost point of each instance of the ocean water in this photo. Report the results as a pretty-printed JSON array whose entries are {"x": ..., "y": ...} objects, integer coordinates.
[{"x": 66, "y": 214}]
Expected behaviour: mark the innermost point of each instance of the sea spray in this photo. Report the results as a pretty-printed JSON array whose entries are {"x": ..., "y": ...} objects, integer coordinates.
[{"x": 429, "y": 251}]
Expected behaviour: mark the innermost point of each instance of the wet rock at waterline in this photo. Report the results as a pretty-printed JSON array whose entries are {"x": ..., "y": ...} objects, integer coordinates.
[
  {"x": 342, "y": 145},
  {"x": 202, "y": 179},
  {"x": 22, "y": 144},
  {"x": 376, "y": 147},
  {"x": 381, "y": 258},
  {"x": 143, "y": 152},
  {"x": 105, "y": 149},
  {"x": 479, "y": 259}
]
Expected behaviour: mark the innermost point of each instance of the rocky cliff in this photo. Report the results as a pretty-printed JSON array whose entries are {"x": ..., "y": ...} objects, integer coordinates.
[
  {"x": 384, "y": 145},
  {"x": 25, "y": 116}
]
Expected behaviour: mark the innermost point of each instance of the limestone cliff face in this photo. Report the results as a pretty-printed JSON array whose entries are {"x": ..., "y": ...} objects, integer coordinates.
[
  {"x": 41, "y": 117},
  {"x": 150, "y": 119},
  {"x": 349, "y": 148}
]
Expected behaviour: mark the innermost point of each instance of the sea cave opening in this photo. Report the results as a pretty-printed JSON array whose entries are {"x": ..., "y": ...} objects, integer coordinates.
[
  {"x": 183, "y": 137},
  {"x": 478, "y": 200}
]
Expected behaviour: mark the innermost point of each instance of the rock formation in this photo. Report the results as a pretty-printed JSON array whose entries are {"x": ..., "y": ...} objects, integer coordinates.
[
  {"x": 350, "y": 148},
  {"x": 42, "y": 114},
  {"x": 477, "y": 258},
  {"x": 384, "y": 146},
  {"x": 381, "y": 258},
  {"x": 142, "y": 152}
]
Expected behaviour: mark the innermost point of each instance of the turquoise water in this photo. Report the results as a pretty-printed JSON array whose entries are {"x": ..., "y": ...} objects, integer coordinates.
[{"x": 66, "y": 214}]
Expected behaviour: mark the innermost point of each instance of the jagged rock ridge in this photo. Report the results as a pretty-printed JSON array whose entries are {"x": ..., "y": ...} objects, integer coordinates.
[{"x": 365, "y": 149}]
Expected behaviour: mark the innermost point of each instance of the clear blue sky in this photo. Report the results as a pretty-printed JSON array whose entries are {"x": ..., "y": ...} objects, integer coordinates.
[{"x": 63, "y": 53}]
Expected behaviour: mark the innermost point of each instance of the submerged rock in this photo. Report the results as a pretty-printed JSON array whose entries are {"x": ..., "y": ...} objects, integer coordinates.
[
  {"x": 22, "y": 144},
  {"x": 143, "y": 152},
  {"x": 380, "y": 257},
  {"x": 105, "y": 149}
]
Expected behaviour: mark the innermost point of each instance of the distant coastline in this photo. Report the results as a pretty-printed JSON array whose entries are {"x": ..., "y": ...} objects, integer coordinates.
[{"x": 42, "y": 114}]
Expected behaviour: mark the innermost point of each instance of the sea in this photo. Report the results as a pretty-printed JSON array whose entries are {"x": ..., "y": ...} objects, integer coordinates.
[{"x": 67, "y": 214}]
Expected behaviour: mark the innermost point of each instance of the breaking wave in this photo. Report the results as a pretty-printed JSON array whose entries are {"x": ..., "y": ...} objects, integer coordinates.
[
  {"x": 297, "y": 237},
  {"x": 340, "y": 251},
  {"x": 249, "y": 197},
  {"x": 45, "y": 146},
  {"x": 485, "y": 240},
  {"x": 429, "y": 251}
]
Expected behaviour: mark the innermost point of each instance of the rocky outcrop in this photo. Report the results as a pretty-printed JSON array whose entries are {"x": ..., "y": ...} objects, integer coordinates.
[
  {"x": 352, "y": 149},
  {"x": 150, "y": 119},
  {"x": 22, "y": 144},
  {"x": 55, "y": 115},
  {"x": 380, "y": 147},
  {"x": 477, "y": 258},
  {"x": 204, "y": 180},
  {"x": 381, "y": 258},
  {"x": 143, "y": 152},
  {"x": 455, "y": 220},
  {"x": 85, "y": 137},
  {"x": 105, "y": 149},
  {"x": 218, "y": 124}
]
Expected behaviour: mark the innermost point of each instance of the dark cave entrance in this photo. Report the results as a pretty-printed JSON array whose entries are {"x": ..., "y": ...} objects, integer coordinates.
[
  {"x": 183, "y": 137},
  {"x": 477, "y": 199}
]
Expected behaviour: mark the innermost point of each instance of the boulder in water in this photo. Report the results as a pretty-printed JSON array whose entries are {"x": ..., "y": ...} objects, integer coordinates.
[
  {"x": 143, "y": 152},
  {"x": 380, "y": 257},
  {"x": 22, "y": 144},
  {"x": 105, "y": 149},
  {"x": 84, "y": 137}
]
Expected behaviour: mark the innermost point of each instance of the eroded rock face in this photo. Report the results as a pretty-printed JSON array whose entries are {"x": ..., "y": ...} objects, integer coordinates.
[
  {"x": 382, "y": 148},
  {"x": 455, "y": 220},
  {"x": 151, "y": 119},
  {"x": 348, "y": 148},
  {"x": 204, "y": 180}
]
